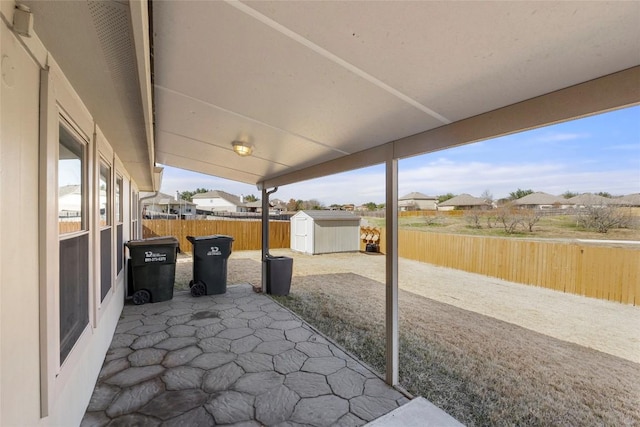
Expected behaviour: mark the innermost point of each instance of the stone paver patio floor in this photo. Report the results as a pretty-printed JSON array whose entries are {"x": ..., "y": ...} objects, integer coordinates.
[{"x": 233, "y": 359}]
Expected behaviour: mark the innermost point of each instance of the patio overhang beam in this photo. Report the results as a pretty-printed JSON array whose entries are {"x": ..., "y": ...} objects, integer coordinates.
[{"x": 617, "y": 90}]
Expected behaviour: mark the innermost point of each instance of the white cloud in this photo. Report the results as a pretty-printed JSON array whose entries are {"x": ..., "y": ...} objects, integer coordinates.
[
  {"x": 624, "y": 147},
  {"x": 560, "y": 136},
  {"x": 434, "y": 178}
]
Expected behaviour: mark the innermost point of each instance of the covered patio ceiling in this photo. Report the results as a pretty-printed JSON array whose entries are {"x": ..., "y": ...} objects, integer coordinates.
[
  {"x": 307, "y": 83},
  {"x": 323, "y": 87}
]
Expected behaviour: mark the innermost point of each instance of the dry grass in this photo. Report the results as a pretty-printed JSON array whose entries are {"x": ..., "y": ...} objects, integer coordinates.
[{"x": 557, "y": 227}]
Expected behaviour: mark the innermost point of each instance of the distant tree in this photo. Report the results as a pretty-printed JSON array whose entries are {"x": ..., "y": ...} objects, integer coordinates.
[
  {"x": 381, "y": 206},
  {"x": 371, "y": 206},
  {"x": 506, "y": 216},
  {"x": 487, "y": 195},
  {"x": 603, "y": 218},
  {"x": 445, "y": 197},
  {"x": 569, "y": 194},
  {"x": 188, "y": 195},
  {"x": 518, "y": 194},
  {"x": 294, "y": 205},
  {"x": 311, "y": 205},
  {"x": 604, "y": 194},
  {"x": 250, "y": 198},
  {"x": 530, "y": 217},
  {"x": 473, "y": 217}
]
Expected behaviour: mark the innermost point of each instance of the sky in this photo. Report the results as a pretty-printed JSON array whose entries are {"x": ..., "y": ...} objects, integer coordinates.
[{"x": 593, "y": 154}]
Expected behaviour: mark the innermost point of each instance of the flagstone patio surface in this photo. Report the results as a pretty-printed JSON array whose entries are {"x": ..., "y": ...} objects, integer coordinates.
[{"x": 233, "y": 359}]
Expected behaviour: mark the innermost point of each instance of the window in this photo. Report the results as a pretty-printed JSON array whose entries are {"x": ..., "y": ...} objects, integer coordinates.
[
  {"x": 135, "y": 214},
  {"x": 74, "y": 240},
  {"x": 104, "y": 191},
  {"x": 119, "y": 226}
]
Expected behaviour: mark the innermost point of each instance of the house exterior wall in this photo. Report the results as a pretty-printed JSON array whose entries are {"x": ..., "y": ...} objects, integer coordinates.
[
  {"x": 429, "y": 205},
  {"x": 418, "y": 204},
  {"x": 336, "y": 236},
  {"x": 35, "y": 388},
  {"x": 216, "y": 204},
  {"x": 19, "y": 289}
]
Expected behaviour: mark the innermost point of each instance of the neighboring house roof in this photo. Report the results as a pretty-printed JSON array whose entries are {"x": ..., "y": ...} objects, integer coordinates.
[
  {"x": 588, "y": 199},
  {"x": 330, "y": 215},
  {"x": 628, "y": 200},
  {"x": 231, "y": 198},
  {"x": 540, "y": 198},
  {"x": 465, "y": 200},
  {"x": 165, "y": 199},
  {"x": 158, "y": 199},
  {"x": 68, "y": 189},
  {"x": 417, "y": 196}
]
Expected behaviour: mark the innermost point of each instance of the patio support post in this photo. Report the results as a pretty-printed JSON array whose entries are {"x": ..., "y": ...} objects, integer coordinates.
[
  {"x": 265, "y": 233},
  {"x": 265, "y": 236},
  {"x": 391, "y": 267}
]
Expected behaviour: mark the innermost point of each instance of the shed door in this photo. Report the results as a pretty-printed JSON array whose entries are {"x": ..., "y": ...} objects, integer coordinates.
[{"x": 301, "y": 234}]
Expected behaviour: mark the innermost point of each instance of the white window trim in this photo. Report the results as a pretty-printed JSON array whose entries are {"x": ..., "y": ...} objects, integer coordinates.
[
  {"x": 100, "y": 158},
  {"x": 59, "y": 103}
]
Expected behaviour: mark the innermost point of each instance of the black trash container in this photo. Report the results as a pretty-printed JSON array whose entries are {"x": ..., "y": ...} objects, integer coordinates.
[
  {"x": 210, "y": 254},
  {"x": 279, "y": 271},
  {"x": 153, "y": 268}
]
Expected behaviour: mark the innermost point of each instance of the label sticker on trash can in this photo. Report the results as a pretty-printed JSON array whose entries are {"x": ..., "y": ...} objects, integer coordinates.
[
  {"x": 214, "y": 251},
  {"x": 154, "y": 257}
]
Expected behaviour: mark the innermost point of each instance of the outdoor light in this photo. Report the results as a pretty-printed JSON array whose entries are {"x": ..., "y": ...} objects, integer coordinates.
[{"x": 241, "y": 148}]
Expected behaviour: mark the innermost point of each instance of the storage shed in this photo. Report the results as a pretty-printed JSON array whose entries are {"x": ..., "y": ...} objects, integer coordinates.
[{"x": 323, "y": 232}]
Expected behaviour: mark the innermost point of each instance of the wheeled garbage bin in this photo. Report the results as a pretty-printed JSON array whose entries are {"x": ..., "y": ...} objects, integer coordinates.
[
  {"x": 153, "y": 268},
  {"x": 279, "y": 271},
  {"x": 210, "y": 254}
]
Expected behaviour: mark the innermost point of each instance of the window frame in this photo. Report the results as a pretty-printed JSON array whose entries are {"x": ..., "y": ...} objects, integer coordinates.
[
  {"x": 105, "y": 229},
  {"x": 74, "y": 132}
]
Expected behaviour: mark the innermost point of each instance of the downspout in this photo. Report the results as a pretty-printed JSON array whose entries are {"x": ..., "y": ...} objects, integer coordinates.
[
  {"x": 140, "y": 199},
  {"x": 265, "y": 233}
]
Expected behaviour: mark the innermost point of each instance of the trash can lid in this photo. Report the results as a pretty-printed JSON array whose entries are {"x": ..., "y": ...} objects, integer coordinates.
[
  {"x": 212, "y": 237},
  {"x": 162, "y": 240}
]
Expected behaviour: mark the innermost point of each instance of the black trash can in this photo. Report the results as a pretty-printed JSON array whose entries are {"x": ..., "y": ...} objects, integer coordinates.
[
  {"x": 210, "y": 254},
  {"x": 279, "y": 271},
  {"x": 153, "y": 268}
]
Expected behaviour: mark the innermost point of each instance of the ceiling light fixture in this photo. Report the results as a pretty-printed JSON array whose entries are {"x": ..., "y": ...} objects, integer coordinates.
[{"x": 241, "y": 148}]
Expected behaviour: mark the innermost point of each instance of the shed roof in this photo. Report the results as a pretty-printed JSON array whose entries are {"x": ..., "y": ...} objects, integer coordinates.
[
  {"x": 464, "y": 200},
  {"x": 324, "y": 215},
  {"x": 541, "y": 198}
]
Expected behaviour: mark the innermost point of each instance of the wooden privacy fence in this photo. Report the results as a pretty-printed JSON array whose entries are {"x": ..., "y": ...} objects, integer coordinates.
[
  {"x": 598, "y": 271},
  {"x": 247, "y": 235}
]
